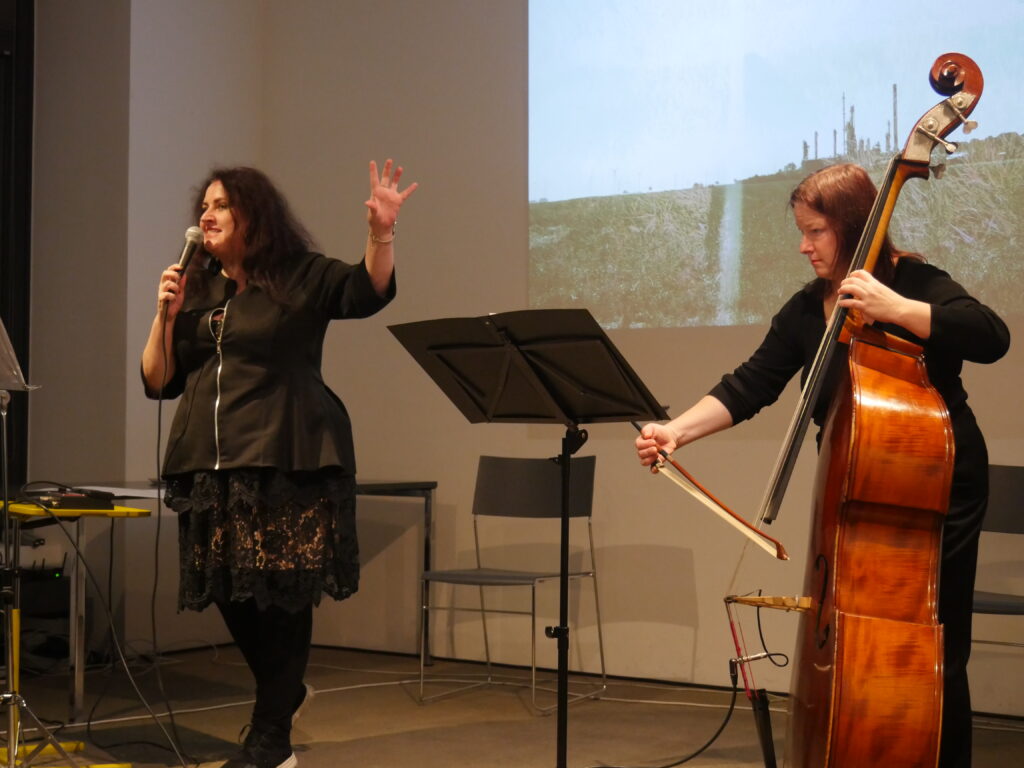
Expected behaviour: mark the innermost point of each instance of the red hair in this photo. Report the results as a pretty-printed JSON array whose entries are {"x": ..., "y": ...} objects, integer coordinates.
[{"x": 844, "y": 194}]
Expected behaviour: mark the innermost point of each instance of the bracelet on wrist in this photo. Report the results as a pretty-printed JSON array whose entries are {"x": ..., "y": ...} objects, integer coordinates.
[{"x": 382, "y": 241}]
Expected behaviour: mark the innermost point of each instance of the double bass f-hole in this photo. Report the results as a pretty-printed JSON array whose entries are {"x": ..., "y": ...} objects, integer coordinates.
[{"x": 821, "y": 633}]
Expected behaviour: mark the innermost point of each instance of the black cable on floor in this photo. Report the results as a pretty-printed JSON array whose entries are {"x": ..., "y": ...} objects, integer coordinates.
[{"x": 733, "y": 676}]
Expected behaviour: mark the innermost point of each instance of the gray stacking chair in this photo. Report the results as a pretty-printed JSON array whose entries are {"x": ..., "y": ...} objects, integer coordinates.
[
  {"x": 528, "y": 489},
  {"x": 1005, "y": 515}
]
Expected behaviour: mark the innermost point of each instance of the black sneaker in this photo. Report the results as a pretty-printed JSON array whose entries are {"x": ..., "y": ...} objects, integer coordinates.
[
  {"x": 244, "y": 761},
  {"x": 269, "y": 748}
]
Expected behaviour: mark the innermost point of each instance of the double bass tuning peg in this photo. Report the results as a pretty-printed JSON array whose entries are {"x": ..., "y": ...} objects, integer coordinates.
[
  {"x": 955, "y": 104},
  {"x": 928, "y": 128}
]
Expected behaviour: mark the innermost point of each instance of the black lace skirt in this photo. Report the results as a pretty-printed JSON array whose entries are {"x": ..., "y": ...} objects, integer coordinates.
[{"x": 281, "y": 538}]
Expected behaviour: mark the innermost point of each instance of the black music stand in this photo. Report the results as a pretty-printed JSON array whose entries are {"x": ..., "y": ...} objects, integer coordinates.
[{"x": 541, "y": 366}]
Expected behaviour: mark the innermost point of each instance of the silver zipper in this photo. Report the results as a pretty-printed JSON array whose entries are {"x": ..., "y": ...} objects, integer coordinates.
[{"x": 219, "y": 335}]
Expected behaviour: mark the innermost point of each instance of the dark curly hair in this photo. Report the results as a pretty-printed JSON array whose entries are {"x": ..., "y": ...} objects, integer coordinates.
[
  {"x": 844, "y": 194},
  {"x": 273, "y": 237}
]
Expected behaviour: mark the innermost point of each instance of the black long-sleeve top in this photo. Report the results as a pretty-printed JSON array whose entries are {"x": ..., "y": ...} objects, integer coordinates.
[
  {"x": 248, "y": 368},
  {"x": 962, "y": 329}
]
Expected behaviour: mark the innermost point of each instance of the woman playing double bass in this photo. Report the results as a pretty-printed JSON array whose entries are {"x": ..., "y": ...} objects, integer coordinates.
[{"x": 905, "y": 297}]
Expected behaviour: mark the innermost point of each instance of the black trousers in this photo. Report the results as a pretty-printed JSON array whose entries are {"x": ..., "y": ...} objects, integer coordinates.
[
  {"x": 275, "y": 644},
  {"x": 967, "y": 505},
  {"x": 956, "y": 598}
]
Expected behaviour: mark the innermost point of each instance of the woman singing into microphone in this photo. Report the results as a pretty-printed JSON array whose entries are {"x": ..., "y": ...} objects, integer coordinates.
[{"x": 260, "y": 465}]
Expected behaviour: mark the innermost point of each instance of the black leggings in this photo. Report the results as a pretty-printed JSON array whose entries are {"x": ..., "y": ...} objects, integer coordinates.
[
  {"x": 275, "y": 644},
  {"x": 967, "y": 505}
]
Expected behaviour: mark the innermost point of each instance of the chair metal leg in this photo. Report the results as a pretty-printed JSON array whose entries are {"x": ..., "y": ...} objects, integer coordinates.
[
  {"x": 597, "y": 607},
  {"x": 487, "y": 642},
  {"x": 424, "y": 607},
  {"x": 533, "y": 646},
  {"x": 600, "y": 640},
  {"x": 598, "y": 688},
  {"x": 425, "y": 645}
]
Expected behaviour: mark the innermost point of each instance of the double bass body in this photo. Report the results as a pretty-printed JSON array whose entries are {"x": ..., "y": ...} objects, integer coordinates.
[{"x": 868, "y": 685}]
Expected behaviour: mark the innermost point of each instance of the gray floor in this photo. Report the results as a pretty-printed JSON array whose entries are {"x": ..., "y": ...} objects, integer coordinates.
[{"x": 364, "y": 714}]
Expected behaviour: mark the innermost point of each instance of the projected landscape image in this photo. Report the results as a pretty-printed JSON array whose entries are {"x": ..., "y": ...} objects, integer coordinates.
[{"x": 697, "y": 232}]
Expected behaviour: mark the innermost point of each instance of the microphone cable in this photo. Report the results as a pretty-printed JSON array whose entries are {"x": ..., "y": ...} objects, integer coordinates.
[
  {"x": 165, "y": 353},
  {"x": 191, "y": 242}
]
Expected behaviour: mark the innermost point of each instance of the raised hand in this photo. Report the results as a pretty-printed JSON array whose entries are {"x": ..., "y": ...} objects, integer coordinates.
[{"x": 385, "y": 200}]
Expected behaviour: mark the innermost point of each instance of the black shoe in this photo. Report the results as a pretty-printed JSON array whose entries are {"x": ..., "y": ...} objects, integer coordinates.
[
  {"x": 243, "y": 761},
  {"x": 270, "y": 748}
]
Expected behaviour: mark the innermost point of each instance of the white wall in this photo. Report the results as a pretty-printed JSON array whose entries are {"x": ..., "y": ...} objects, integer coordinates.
[{"x": 310, "y": 91}]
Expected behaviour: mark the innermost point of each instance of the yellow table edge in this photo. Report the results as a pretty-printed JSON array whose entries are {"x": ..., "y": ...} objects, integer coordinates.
[{"x": 26, "y": 510}]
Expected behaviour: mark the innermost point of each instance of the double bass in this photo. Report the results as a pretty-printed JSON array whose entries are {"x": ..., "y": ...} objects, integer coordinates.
[
  {"x": 868, "y": 673},
  {"x": 868, "y": 676}
]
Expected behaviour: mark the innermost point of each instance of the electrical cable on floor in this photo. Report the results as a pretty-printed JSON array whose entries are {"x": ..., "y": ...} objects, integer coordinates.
[
  {"x": 90, "y": 720},
  {"x": 106, "y": 683},
  {"x": 980, "y": 722},
  {"x": 733, "y": 676}
]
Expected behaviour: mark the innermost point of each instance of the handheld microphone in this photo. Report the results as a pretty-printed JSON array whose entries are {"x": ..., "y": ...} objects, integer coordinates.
[{"x": 193, "y": 239}]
